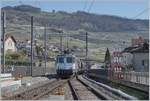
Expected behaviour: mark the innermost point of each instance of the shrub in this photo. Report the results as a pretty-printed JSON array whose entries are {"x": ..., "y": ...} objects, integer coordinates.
[{"x": 14, "y": 56}]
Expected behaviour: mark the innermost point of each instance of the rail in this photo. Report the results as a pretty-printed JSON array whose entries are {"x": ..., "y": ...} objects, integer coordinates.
[
  {"x": 99, "y": 91},
  {"x": 80, "y": 90},
  {"x": 110, "y": 90},
  {"x": 74, "y": 93},
  {"x": 52, "y": 87},
  {"x": 34, "y": 92}
]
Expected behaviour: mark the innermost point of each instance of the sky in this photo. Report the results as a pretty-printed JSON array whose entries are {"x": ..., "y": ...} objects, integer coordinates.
[{"x": 136, "y": 9}]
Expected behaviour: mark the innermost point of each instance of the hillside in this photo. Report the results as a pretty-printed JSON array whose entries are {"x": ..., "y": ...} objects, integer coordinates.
[
  {"x": 104, "y": 31},
  {"x": 73, "y": 21}
]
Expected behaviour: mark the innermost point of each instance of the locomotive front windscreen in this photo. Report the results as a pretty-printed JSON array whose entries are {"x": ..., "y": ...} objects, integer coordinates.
[
  {"x": 70, "y": 60},
  {"x": 60, "y": 60}
]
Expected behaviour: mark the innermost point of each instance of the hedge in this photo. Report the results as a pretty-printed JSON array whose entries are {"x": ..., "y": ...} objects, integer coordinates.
[{"x": 19, "y": 63}]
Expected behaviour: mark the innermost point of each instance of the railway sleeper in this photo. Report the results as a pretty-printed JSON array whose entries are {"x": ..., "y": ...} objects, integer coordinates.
[
  {"x": 113, "y": 93},
  {"x": 96, "y": 91},
  {"x": 74, "y": 94},
  {"x": 50, "y": 89},
  {"x": 32, "y": 92},
  {"x": 75, "y": 90},
  {"x": 100, "y": 91}
]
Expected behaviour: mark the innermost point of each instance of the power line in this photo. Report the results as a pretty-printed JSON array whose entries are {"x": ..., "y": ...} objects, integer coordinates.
[
  {"x": 140, "y": 13},
  {"x": 20, "y": 2},
  {"x": 85, "y": 5},
  {"x": 91, "y": 5},
  {"x": 34, "y": 26}
]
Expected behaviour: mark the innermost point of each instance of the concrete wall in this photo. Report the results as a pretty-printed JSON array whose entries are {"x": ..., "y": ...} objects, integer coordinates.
[{"x": 137, "y": 62}]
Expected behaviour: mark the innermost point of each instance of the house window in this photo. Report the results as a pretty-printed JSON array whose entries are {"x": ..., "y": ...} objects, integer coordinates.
[
  {"x": 142, "y": 62},
  {"x": 145, "y": 63}
]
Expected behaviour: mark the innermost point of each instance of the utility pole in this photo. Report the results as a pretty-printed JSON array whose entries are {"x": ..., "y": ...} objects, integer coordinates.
[
  {"x": 31, "y": 44},
  {"x": 3, "y": 38},
  {"x": 67, "y": 42},
  {"x": 86, "y": 49},
  {"x": 45, "y": 55},
  {"x": 86, "y": 45},
  {"x": 61, "y": 42}
]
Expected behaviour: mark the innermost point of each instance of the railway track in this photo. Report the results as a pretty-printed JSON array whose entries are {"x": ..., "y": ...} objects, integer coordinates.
[
  {"x": 57, "y": 85},
  {"x": 135, "y": 86},
  {"x": 83, "y": 89},
  {"x": 79, "y": 89},
  {"x": 109, "y": 92},
  {"x": 36, "y": 92}
]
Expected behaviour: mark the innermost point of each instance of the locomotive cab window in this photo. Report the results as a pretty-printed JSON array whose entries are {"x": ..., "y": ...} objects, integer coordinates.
[
  {"x": 70, "y": 59},
  {"x": 60, "y": 60}
]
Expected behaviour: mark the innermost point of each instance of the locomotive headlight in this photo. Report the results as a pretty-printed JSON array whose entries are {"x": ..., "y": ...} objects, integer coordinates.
[{"x": 73, "y": 66}]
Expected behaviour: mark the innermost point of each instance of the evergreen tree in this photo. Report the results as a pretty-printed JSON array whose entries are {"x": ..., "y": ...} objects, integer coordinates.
[{"x": 107, "y": 60}]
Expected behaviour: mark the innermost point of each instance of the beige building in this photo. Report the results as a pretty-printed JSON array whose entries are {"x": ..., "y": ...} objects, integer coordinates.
[{"x": 141, "y": 58}]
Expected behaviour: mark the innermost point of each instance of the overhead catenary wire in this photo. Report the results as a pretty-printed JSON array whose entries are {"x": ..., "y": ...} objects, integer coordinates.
[
  {"x": 142, "y": 12},
  {"x": 20, "y": 2},
  {"x": 90, "y": 6},
  {"x": 85, "y": 5}
]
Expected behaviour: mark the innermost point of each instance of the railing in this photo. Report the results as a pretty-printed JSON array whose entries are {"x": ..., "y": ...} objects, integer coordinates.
[
  {"x": 26, "y": 71},
  {"x": 135, "y": 77}
]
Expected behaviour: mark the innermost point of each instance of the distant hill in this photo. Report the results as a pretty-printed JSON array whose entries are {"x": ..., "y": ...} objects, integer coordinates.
[
  {"x": 104, "y": 31},
  {"x": 73, "y": 21},
  {"x": 26, "y": 8}
]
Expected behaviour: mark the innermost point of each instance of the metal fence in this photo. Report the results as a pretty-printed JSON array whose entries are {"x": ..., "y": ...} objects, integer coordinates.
[
  {"x": 135, "y": 77},
  {"x": 21, "y": 71}
]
